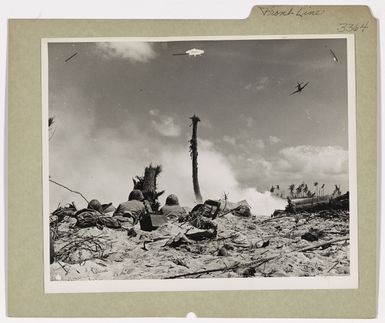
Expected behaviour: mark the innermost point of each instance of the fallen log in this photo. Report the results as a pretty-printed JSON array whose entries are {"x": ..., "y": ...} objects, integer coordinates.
[
  {"x": 318, "y": 245},
  {"x": 312, "y": 200},
  {"x": 254, "y": 264},
  {"x": 318, "y": 204}
]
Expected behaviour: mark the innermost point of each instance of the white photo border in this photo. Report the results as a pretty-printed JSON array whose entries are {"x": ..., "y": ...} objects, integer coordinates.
[{"x": 207, "y": 284}]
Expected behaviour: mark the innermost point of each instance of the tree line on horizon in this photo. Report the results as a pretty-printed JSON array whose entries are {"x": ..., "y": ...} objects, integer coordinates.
[{"x": 303, "y": 190}]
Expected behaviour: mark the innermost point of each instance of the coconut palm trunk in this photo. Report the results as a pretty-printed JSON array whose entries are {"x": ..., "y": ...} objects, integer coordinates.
[
  {"x": 148, "y": 185},
  {"x": 194, "y": 156}
]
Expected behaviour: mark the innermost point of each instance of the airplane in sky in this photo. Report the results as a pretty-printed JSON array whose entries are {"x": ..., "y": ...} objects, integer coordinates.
[
  {"x": 299, "y": 87},
  {"x": 335, "y": 58},
  {"x": 192, "y": 52},
  {"x": 69, "y": 58}
]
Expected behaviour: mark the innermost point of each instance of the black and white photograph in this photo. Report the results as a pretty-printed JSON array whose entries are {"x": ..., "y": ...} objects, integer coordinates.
[{"x": 199, "y": 163}]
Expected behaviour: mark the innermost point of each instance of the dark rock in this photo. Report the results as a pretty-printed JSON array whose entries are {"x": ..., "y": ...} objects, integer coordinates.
[{"x": 308, "y": 236}]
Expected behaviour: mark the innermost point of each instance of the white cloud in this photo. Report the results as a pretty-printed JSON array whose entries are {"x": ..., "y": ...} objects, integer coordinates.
[
  {"x": 228, "y": 139},
  {"x": 154, "y": 112},
  {"x": 248, "y": 120},
  {"x": 254, "y": 170},
  {"x": 259, "y": 85},
  {"x": 274, "y": 140},
  {"x": 206, "y": 124},
  {"x": 253, "y": 143},
  {"x": 321, "y": 161},
  {"x": 166, "y": 126},
  {"x": 296, "y": 164},
  {"x": 250, "y": 146},
  {"x": 134, "y": 51},
  {"x": 308, "y": 116},
  {"x": 205, "y": 144}
]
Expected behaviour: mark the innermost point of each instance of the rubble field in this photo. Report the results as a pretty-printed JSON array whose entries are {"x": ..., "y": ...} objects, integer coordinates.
[{"x": 289, "y": 245}]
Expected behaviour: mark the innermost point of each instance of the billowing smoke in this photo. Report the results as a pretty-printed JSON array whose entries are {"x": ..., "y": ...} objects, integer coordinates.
[
  {"x": 102, "y": 164},
  {"x": 108, "y": 178},
  {"x": 216, "y": 177}
]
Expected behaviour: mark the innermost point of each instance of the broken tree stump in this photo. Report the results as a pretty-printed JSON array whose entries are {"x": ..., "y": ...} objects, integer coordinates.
[{"x": 148, "y": 185}]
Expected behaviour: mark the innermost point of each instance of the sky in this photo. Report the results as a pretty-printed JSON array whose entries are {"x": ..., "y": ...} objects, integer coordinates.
[{"x": 119, "y": 106}]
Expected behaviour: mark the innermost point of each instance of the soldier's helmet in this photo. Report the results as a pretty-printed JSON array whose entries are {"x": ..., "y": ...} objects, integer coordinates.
[
  {"x": 94, "y": 205},
  {"x": 136, "y": 195},
  {"x": 172, "y": 199}
]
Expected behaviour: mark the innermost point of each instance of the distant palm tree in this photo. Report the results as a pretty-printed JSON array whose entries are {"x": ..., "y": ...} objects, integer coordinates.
[
  {"x": 302, "y": 187},
  {"x": 291, "y": 188},
  {"x": 316, "y": 188},
  {"x": 298, "y": 191},
  {"x": 337, "y": 190},
  {"x": 323, "y": 189},
  {"x": 305, "y": 189}
]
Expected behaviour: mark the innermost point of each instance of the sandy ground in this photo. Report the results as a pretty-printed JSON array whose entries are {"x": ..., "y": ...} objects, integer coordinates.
[{"x": 241, "y": 244}]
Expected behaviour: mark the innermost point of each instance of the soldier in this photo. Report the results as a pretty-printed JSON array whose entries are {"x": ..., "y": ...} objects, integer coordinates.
[
  {"x": 95, "y": 205},
  {"x": 134, "y": 208},
  {"x": 172, "y": 209}
]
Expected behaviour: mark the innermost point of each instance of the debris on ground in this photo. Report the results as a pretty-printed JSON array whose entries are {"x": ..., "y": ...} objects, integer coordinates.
[{"x": 213, "y": 240}]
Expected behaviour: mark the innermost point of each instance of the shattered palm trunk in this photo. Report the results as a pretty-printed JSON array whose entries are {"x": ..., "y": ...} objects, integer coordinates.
[
  {"x": 148, "y": 185},
  {"x": 194, "y": 157}
]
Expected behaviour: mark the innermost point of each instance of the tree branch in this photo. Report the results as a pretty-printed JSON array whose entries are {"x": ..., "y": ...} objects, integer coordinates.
[{"x": 61, "y": 185}]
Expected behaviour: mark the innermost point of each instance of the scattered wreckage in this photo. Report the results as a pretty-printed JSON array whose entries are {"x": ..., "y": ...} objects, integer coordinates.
[{"x": 215, "y": 239}]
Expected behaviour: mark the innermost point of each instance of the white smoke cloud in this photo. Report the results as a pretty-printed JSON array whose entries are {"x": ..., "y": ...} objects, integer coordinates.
[
  {"x": 274, "y": 140},
  {"x": 134, "y": 51},
  {"x": 166, "y": 126},
  {"x": 101, "y": 164},
  {"x": 154, "y": 112},
  {"x": 230, "y": 140},
  {"x": 216, "y": 177}
]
